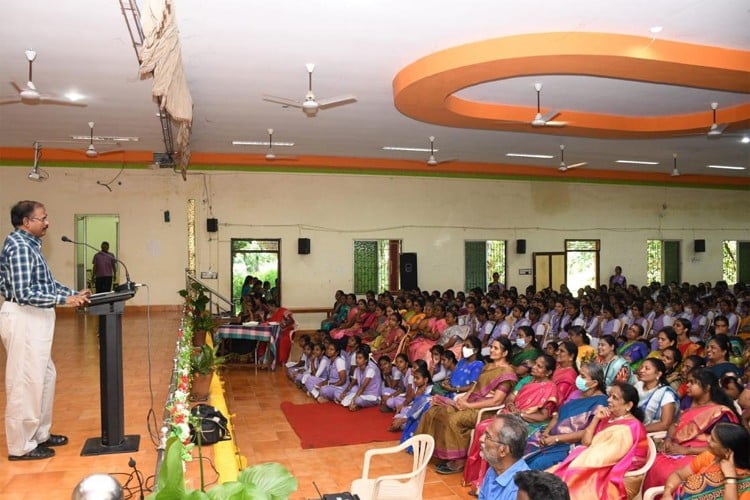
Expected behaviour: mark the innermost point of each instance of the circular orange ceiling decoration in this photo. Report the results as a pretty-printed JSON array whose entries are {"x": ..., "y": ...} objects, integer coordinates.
[{"x": 425, "y": 89}]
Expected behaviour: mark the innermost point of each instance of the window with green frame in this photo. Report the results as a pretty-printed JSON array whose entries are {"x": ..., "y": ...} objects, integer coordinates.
[
  {"x": 736, "y": 261},
  {"x": 581, "y": 264},
  {"x": 481, "y": 260},
  {"x": 376, "y": 265}
]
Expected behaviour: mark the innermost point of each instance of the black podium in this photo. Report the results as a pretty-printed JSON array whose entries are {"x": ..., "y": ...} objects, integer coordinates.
[{"x": 110, "y": 307}]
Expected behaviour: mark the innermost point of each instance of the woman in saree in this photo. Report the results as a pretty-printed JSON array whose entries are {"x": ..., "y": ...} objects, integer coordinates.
[
  {"x": 616, "y": 368},
  {"x": 721, "y": 472},
  {"x": 453, "y": 336},
  {"x": 686, "y": 346},
  {"x": 614, "y": 443},
  {"x": 526, "y": 351},
  {"x": 566, "y": 372},
  {"x": 284, "y": 318},
  {"x": 658, "y": 401},
  {"x": 350, "y": 320},
  {"x": 689, "y": 436},
  {"x": 550, "y": 446},
  {"x": 586, "y": 353},
  {"x": 634, "y": 349},
  {"x": 417, "y": 315},
  {"x": 338, "y": 313},
  {"x": 396, "y": 331},
  {"x": 535, "y": 403},
  {"x": 718, "y": 350},
  {"x": 450, "y": 421},
  {"x": 424, "y": 336},
  {"x": 672, "y": 360},
  {"x": 666, "y": 337}
]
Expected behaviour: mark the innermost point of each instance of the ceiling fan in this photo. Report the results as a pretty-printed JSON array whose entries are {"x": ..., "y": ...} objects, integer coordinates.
[
  {"x": 545, "y": 120},
  {"x": 431, "y": 160},
  {"x": 91, "y": 150},
  {"x": 310, "y": 105},
  {"x": 716, "y": 130},
  {"x": 675, "y": 170},
  {"x": 270, "y": 155},
  {"x": 30, "y": 95},
  {"x": 563, "y": 166}
]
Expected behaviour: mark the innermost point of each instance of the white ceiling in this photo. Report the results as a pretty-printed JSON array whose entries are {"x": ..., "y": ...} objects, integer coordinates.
[{"x": 236, "y": 50}]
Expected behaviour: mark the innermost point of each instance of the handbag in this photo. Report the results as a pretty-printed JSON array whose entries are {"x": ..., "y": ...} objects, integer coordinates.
[{"x": 212, "y": 425}]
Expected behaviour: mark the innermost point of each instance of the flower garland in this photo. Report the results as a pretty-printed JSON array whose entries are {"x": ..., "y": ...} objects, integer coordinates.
[{"x": 178, "y": 406}]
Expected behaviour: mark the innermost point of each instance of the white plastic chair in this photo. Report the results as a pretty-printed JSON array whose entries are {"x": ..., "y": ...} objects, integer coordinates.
[
  {"x": 646, "y": 467},
  {"x": 652, "y": 493},
  {"x": 406, "y": 486}
]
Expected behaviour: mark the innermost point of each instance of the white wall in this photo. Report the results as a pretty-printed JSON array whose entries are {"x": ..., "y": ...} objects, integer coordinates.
[{"x": 432, "y": 216}]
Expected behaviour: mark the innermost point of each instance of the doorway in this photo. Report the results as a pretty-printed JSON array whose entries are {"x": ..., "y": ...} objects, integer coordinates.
[
  {"x": 258, "y": 258},
  {"x": 549, "y": 270},
  {"x": 93, "y": 230}
]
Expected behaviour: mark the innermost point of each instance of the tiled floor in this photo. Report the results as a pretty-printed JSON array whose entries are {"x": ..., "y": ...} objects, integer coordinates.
[{"x": 253, "y": 398}]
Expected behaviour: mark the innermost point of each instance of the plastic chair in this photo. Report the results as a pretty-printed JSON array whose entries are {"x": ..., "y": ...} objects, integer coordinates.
[
  {"x": 652, "y": 493},
  {"x": 406, "y": 486},
  {"x": 482, "y": 415},
  {"x": 646, "y": 467}
]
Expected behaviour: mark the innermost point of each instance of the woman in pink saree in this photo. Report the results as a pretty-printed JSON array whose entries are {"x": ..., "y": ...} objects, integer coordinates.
[
  {"x": 689, "y": 436},
  {"x": 614, "y": 443},
  {"x": 419, "y": 347},
  {"x": 535, "y": 403}
]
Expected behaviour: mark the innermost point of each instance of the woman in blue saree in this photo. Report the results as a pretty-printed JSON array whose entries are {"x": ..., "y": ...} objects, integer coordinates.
[{"x": 550, "y": 445}]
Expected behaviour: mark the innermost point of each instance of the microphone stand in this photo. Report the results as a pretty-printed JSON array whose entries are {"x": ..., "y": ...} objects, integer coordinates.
[{"x": 129, "y": 285}]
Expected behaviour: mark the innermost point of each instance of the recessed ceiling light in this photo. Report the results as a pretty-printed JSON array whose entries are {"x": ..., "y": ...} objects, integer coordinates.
[
  {"x": 637, "y": 162},
  {"x": 527, "y": 155},
  {"x": 726, "y": 167},
  {"x": 74, "y": 96},
  {"x": 655, "y": 29},
  {"x": 261, "y": 143},
  {"x": 419, "y": 150},
  {"x": 745, "y": 140}
]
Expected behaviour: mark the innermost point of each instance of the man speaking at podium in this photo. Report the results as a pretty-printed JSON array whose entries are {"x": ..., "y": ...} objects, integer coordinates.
[{"x": 27, "y": 326}]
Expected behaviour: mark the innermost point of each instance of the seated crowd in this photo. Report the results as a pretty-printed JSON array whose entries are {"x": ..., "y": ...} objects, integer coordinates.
[{"x": 590, "y": 377}]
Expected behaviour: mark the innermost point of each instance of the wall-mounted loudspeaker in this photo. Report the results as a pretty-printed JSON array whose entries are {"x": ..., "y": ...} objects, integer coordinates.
[
  {"x": 699, "y": 246},
  {"x": 521, "y": 246},
  {"x": 303, "y": 246},
  {"x": 212, "y": 225},
  {"x": 408, "y": 270}
]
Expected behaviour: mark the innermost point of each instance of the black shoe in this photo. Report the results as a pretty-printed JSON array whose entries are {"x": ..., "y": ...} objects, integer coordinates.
[
  {"x": 55, "y": 440},
  {"x": 38, "y": 453}
]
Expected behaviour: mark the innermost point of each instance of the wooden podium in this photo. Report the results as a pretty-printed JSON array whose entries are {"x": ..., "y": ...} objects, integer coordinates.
[{"x": 110, "y": 307}]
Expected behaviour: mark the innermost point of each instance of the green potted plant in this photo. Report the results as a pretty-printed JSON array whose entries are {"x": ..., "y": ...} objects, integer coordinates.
[
  {"x": 203, "y": 362},
  {"x": 198, "y": 311}
]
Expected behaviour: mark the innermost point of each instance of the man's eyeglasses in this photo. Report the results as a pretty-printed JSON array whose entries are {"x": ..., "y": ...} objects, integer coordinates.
[
  {"x": 40, "y": 219},
  {"x": 488, "y": 436}
]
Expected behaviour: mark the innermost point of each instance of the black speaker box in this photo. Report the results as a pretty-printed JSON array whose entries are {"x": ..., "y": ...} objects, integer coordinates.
[
  {"x": 699, "y": 245},
  {"x": 408, "y": 269},
  {"x": 521, "y": 246},
  {"x": 212, "y": 225},
  {"x": 303, "y": 246}
]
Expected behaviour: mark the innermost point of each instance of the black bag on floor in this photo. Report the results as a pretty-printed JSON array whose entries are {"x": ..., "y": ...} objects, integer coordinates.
[{"x": 213, "y": 425}]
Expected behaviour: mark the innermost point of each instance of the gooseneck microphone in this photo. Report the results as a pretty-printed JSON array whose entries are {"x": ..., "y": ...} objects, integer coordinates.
[{"x": 128, "y": 284}]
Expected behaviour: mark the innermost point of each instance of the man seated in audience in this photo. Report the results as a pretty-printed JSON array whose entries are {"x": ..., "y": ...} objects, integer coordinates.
[{"x": 502, "y": 445}]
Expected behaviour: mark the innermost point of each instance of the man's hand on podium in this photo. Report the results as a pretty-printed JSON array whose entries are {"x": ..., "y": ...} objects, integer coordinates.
[{"x": 78, "y": 300}]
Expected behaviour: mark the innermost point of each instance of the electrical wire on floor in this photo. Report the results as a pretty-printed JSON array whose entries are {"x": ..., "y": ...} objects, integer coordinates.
[{"x": 139, "y": 488}]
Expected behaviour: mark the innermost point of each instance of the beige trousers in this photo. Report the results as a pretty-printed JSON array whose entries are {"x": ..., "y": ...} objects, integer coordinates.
[{"x": 30, "y": 375}]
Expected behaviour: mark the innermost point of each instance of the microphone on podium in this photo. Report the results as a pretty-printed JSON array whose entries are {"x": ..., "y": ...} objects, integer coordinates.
[{"x": 129, "y": 285}]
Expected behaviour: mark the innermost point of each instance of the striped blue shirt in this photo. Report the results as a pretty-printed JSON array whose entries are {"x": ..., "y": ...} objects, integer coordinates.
[{"x": 25, "y": 275}]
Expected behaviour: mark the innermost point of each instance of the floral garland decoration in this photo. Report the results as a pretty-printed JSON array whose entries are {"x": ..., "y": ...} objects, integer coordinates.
[{"x": 178, "y": 406}]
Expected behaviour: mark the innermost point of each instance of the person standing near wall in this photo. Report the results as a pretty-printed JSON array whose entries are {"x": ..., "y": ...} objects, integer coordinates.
[
  {"x": 27, "y": 326},
  {"x": 104, "y": 269}
]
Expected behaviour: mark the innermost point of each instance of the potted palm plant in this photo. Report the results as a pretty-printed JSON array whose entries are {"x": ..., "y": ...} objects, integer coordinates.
[
  {"x": 203, "y": 362},
  {"x": 198, "y": 311}
]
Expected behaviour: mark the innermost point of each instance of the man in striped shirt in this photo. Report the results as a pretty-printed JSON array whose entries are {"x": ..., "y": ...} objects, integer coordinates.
[{"x": 27, "y": 325}]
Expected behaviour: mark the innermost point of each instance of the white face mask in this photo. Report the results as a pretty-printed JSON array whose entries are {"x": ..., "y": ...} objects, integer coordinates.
[
  {"x": 521, "y": 343},
  {"x": 467, "y": 352}
]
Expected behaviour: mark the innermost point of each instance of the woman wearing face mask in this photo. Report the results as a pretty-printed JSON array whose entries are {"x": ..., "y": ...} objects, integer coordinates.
[
  {"x": 550, "y": 445},
  {"x": 526, "y": 351},
  {"x": 450, "y": 421}
]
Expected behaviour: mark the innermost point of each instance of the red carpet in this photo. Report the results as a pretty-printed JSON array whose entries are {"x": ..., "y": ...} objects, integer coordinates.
[{"x": 328, "y": 424}]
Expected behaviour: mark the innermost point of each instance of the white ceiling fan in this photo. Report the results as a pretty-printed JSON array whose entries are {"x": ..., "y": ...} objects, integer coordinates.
[
  {"x": 716, "y": 129},
  {"x": 545, "y": 120},
  {"x": 30, "y": 95},
  {"x": 563, "y": 166},
  {"x": 270, "y": 155},
  {"x": 675, "y": 170},
  {"x": 310, "y": 105},
  {"x": 91, "y": 150},
  {"x": 431, "y": 160}
]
